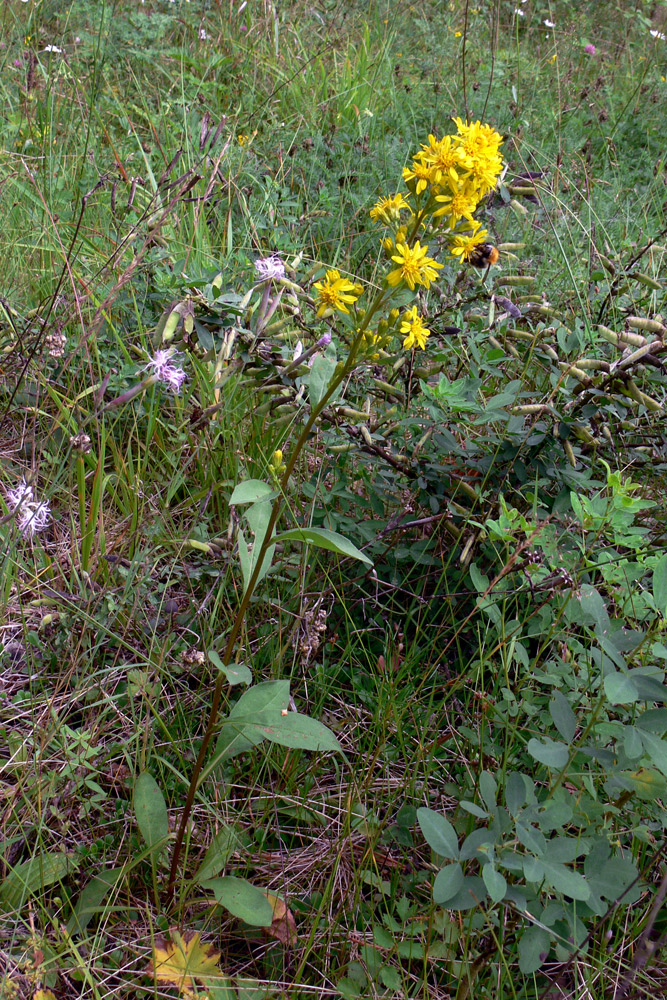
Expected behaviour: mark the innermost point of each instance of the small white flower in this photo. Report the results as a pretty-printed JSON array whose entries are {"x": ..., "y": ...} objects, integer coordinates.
[
  {"x": 519, "y": 12},
  {"x": 270, "y": 268},
  {"x": 32, "y": 515},
  {"x": 165, "y": 371},
  {"x": 202, "y": 34},
  {"x": 657, "y": 34},
  {"x": 549, "y": 24},
  {"x": 242, "y": 7},
  {"x": 51, "y": 48}
]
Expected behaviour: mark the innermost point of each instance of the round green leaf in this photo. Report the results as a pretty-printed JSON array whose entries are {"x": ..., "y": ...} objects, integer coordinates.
[
  {"x": 494, "y": 882},
  {"x": 534, "y": 946},
  {"x": 620, "y": 689},
  {"x": 548, "y": 752},
  {"x": 439, "y": 834},
  {"x": 447, "y": 883}
]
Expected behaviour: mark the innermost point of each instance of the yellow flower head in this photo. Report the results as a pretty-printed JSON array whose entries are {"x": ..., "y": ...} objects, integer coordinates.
[
  {"x": 412, "y": 325},
  {"x": 458, "y": 205},
  {"x": 388, "y": 210},
  {"x": 485, "y": 174},
  {"x": 447, "y": 158},
  {"x": 465, "y": 246},
  {"x": 335, "y": 292},
  {"x": 478, "y": 139},
  {"x": 414, "y": 267},
  {"x": 421, "y": 173}
]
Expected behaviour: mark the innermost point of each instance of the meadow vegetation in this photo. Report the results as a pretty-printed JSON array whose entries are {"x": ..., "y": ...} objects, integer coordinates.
[{"x": 334, "y": 575}]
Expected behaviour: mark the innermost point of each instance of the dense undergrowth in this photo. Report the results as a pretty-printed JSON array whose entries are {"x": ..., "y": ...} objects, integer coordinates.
[{"x": 471, "y": 798}]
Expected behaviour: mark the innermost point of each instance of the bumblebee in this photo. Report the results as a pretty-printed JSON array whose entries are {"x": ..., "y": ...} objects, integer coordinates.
[{"x": 484, "y": 255}]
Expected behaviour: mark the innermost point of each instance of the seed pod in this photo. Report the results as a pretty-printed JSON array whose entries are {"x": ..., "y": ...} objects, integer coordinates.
[
  {"x": 567, "y": 448},
  {"x": 645, "y": 279},
  {"x": 530, "y": 408},
  {"x": 521, "y": 191},
  {"x": 351, "y": 414},
  {"x": 503, "y": 247},
  {"x": 650, "y": 325},
  {"x": 606, "y": 263},
  {"x": 574, "y": 371},
  {"x": 636, "y": 356},
  {"x": 366, "y": 435},
  {"x": 593, "y": 363},
  {"x": 391, "y": 390},
  {"x": 516, "y": 280},
  {"x": 640, "y": 397},
  {"x": 518, "y": 207},
  {"x": 547, "y": 311}
]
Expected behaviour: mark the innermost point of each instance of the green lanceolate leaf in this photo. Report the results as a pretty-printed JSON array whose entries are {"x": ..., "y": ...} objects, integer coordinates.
[
  {"x": 660, "y": 585},
  {"x": 91, "y": 898},
  {"x": 300, "y": 732},
  {"x": 243, "y": 899},
  {"x": 252, "y": 490},
  {"x": 150, "y": 809},
  {"x": 321, "y": 372},
  {"x": 563, "y": 717},
  {"x": 32, "y": 877},
  {"x": 236, "y": 673},
  {"x": 324, "y": 539},
  {"x": 223, "y": 845}
]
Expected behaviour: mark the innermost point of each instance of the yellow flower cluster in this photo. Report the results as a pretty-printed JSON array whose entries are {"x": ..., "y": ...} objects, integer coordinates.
[
  {"x": 458, "y": 170},
  {"x": 446, "y": 182}
]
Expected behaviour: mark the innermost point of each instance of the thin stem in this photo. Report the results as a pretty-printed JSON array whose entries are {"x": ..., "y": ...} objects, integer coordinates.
[{"x": 245, "y": 600}]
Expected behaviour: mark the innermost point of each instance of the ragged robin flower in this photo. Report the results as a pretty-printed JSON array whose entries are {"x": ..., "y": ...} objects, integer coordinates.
[
  {"x": 335, "y": 292},
  {"x": 412, "y": 325},
  {"x": 414, "y": 267},
  {"x": 388, "y": 210}
]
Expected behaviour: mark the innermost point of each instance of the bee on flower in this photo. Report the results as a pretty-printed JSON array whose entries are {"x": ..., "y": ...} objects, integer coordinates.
[{"x": 468, "y": 246}]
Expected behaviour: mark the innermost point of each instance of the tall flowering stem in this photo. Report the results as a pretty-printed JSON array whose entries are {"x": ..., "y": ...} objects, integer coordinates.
[{"x": 226, "y": 657}]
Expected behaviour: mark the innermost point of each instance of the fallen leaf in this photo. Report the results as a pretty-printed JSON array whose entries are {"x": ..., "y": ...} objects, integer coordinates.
[
  {"x": 43, "y": 995},
  {"x": 181, "y": 959},
  {"x": 283, "y": 926}
]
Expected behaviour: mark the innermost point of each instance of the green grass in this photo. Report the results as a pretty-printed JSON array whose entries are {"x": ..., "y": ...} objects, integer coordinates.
[{"x": 125, "y": 190}]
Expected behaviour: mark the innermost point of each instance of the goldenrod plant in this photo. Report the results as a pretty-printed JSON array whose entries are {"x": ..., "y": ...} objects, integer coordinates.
[{"x": 447, "y": 182}]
